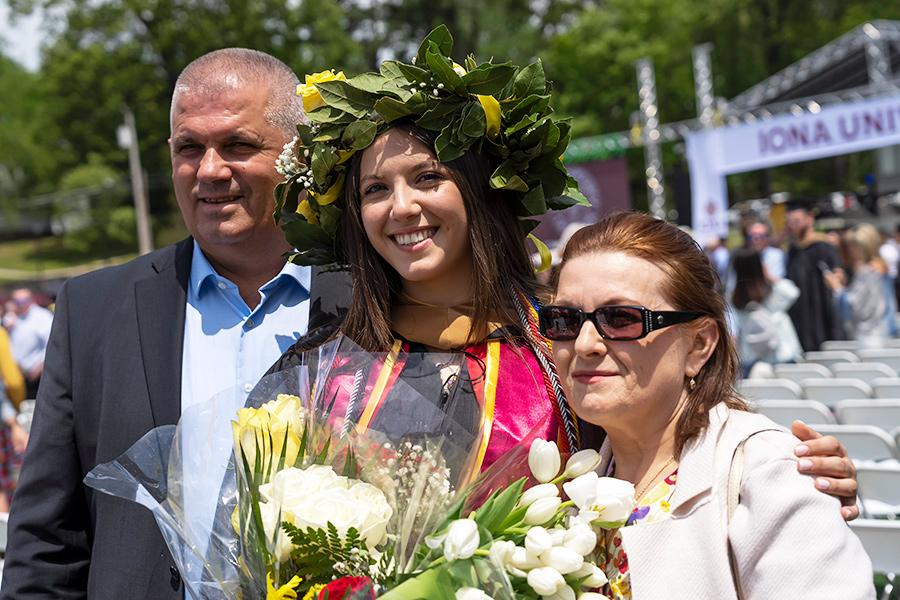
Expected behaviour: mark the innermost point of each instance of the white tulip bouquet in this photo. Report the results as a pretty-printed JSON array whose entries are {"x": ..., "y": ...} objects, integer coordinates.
[{"x": 312, "y": 507}]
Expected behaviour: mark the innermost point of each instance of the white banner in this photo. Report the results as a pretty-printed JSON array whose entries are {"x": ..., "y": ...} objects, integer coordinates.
[
  {"x": 837, "y": 129},
  {"x": 709, "y": 193}
]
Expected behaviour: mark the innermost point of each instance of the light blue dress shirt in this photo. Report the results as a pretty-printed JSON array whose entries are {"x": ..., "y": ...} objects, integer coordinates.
[{"x": 228, "y": 346}]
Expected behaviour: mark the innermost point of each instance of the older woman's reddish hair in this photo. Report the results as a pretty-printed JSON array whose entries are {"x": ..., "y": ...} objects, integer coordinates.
[{"x": 691, "y": 285}]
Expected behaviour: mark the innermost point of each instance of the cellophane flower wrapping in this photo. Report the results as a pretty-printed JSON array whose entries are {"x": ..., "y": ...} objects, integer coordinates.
[{"x": 338, "y": 468}]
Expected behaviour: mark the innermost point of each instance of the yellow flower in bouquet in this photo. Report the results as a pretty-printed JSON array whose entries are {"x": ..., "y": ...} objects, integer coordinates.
[
  {"x": 262, "y": 436},
  {"x": 312, "y": 98}
]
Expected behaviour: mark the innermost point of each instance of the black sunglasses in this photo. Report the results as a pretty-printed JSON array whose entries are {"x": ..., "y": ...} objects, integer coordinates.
[{"x": 617, "y": 323}]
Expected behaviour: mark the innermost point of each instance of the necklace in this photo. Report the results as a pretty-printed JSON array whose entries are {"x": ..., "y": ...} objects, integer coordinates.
[{"x": 646, "y": 487}]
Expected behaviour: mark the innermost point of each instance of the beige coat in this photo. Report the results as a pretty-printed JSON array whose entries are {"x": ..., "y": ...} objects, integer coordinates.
[{"x": 789, "y": 539}]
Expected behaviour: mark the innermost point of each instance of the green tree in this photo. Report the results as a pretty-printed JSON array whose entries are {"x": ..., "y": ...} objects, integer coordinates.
[{"x": 108, "y": 53}]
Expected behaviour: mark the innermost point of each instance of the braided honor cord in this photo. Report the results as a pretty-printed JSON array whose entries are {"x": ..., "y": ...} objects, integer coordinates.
[{"x": 528, "y": 319}]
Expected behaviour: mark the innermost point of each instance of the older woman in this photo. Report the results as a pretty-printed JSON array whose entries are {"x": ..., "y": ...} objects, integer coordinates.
[{"x": 644, "y": 352}]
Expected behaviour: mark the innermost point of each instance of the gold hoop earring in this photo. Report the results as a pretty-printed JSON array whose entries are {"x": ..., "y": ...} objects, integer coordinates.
[{"x": 692, "y": 385}]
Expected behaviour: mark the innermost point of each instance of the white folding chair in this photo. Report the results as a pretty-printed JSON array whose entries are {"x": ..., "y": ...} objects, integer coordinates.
[
  {"x": 863, "y": 442},
  {"x": 831, "y": 391},
  {"x": 830, "y": 357},
  {"x": 866, "y": 371},
  {"x": 839, "y": 345},
  {"x": 769, "y": 389},
  {"x": 879, "y": 489},
  {"x": 784, "y": 412},
  {"x": 881, "y": 539},
  {"x": 884, "y": 413},
  {"x": 886, "y": 387},
  {"x": 797, "y": 372},
  {"x": 888, "y": 356}
]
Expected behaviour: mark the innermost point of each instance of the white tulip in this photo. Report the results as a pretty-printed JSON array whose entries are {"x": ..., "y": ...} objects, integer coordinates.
[
  {"x": 542, "y": 511},
  {"x": 544, "y": 460},
  {"x": 501, "y": 552},
  {"x": 592, "y": 575},
  {"x": 581, "y": 462},
  {"x": 545, "y": 581},
  {"x": 563, "y": 593},
  {"x": 581, "y": 538},
  {"x": 524, "y": 560},
  {"x": 592, "y": 596},
  {"x": 542, "y": 490},
  {"x": 462, "y": 539},
  {"x": 612, "y": 499},
  {"x": 538, "y": 540},
  {"x": 562, "y": 559},
  {"x": 558, "y": 536},
  {"x": 469, "y": 593}
]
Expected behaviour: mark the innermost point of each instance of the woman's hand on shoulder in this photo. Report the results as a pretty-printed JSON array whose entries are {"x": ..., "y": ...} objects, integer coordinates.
[{"x": 826, "y": 459}]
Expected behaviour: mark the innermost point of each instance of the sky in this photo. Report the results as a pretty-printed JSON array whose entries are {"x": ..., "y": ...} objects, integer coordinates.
[{"x": 21, "y": 39}]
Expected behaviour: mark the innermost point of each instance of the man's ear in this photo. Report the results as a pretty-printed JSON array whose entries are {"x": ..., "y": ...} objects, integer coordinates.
[{"x": 704, "y": 339}]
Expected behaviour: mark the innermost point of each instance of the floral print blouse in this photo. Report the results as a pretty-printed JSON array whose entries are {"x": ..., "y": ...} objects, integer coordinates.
[{"x": 653, "y": 507}]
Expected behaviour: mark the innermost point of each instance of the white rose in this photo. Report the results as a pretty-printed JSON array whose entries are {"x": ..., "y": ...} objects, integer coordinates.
[
  {"x": 279, "y": 543},
  {"x": 592, "y": 596},
  {"x": 612, "y": 499},
  {"x": 316, "y": 496},
  {"x": 375, "y": 512}
]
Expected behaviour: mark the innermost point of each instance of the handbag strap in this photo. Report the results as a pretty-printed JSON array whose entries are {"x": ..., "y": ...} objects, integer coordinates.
[{"x": 733, "y": 499}]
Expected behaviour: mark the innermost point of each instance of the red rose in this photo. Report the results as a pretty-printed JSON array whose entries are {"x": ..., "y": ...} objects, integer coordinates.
[{"x": 355, "y": 588}]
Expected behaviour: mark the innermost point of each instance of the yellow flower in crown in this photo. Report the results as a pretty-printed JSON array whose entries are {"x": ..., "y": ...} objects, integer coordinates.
[
  {"x": 500, "y": 109},
  {"x": 312, "y": 99},
  {"x": 304, "y": 209},
  {"x": 328, "y": 197}
]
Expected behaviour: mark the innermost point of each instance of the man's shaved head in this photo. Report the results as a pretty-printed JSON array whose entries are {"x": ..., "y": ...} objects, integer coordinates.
[{"x": 233, "y": 68}]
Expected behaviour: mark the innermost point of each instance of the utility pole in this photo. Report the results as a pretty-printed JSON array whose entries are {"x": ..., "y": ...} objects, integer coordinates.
[{"x": 127, "y": 134}]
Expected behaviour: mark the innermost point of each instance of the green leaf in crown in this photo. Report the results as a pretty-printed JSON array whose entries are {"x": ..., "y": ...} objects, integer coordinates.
[{"x": 500, "y": 109}]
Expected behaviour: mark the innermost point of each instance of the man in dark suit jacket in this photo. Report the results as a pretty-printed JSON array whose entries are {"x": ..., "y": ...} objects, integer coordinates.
[{"x": 114, "y": 364}]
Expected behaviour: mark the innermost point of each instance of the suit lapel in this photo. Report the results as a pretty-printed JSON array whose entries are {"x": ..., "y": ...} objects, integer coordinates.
[{"x": 160, "y": 301}]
